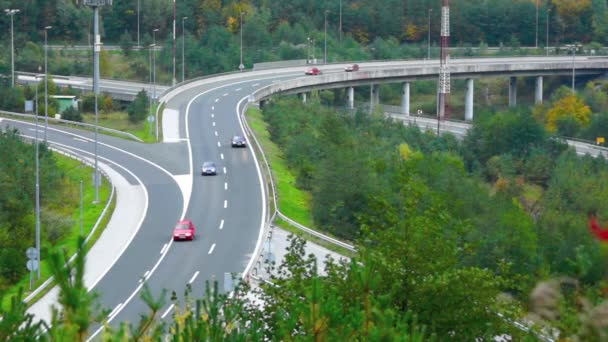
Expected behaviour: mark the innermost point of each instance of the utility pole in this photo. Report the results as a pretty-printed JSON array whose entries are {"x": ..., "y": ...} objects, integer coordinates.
[
  {"x": 173, "y": 80},
  {"x": 96, "y": 48},
  {"x": 46, "y": 82},
  {"x": 444, "y": 71},
  {"x": 183, "y": 50},
  {"x": 11, "y": 13},
  {"x": 572, "y": 48}
]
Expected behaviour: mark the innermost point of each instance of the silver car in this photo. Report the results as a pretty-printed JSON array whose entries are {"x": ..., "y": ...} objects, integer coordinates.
[
  {"x": 238, "y": 141},
  {"x": 208, "y": 169}
]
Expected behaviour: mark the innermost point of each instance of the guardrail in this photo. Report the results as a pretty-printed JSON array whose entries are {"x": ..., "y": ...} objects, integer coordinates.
[
  {"x": 73, "y": 155},
  {"x": 73, "y": 123}
]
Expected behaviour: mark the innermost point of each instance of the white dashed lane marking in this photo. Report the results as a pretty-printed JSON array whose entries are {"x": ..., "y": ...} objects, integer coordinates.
[
  {"x": 193, "y": 277},
  {"x": 212, "y": 248},
  {"x": 222, "y": 224},
  {"x": 167, "y": 312}
]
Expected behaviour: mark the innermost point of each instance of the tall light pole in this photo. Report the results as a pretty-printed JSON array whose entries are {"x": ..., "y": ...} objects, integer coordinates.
[
  {"x": 12, "y": 13},
  {"x": 96, "y": 49},
  {"x": 46, "y": 82},
  {"x": 572, "y": 48},
  {"x": 173, "y": 81},
  {"x": 428, "y": 47},
  {"x": 325, "y": 43},
  {"x": 138, "y": 24},
  {"x": 241, "y": 65},
  {"x": 547, "y": 31},
  {"x": 154, "y": 76},
  {"x": 37, "y": 212},
  {"x": 536, "y": 37},
  {"x": 151, "y": 46},
  {"x": 307, "y": 50},
  {"x": 183, "y": 50},
  {"x": 340, "y": 30}
]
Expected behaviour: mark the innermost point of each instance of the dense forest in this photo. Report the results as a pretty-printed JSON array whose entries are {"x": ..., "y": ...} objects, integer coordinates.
[{"x": 274, "y": 30}]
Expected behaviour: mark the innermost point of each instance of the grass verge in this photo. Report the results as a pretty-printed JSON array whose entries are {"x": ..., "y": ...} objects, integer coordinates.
[
  {"x": 293, "y": 202},
  {"x": 74, "y": 172},
  {"x": 144, "y": 130}
]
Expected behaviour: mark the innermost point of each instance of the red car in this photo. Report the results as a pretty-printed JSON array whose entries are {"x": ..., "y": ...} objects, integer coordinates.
[
  {"x": 351, "y": 67},
  {"x": 184, "y": 230},
  {"x": 312, "y": 71}
]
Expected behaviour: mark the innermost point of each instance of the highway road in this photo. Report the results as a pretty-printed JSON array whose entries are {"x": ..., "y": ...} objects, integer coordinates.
[{"x": 228, "y": 209}]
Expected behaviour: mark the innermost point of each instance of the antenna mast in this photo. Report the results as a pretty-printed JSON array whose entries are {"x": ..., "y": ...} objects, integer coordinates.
[{"x": 443, "y": 98}]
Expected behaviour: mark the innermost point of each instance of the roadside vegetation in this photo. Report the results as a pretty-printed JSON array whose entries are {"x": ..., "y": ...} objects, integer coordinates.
[{"x": 60, "y": 178}]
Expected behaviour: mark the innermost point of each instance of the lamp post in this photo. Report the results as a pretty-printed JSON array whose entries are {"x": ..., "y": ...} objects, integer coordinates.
[
  {"x": 307, "y": 50},
  {"x": 154, "y": 78},
  {"x": 325, "y": 40},
  {"x": 46, "y": 82},
  {"x": 151, "y": 46},
  {"x": 428, "y": 47},
  {"x": 12, "y": 13},
  {"x": 241, "y": 66},
  {"x": 173, "y": 80},
  {"x": 96, "y": 49},
  {"x": 547, "y": 31},
  {"x": 536, "y": 36},
  {"x": 37, "y": 210},
  {"x": 572, "y": 48},
  {"x": 138, "y": 24},
  {"x": 183, "y": 50},
  {"x": 340, "y": 30}
]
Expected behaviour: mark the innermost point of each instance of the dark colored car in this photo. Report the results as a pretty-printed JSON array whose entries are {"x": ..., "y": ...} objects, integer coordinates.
[
  {"x": 312, "y": 71},
  {"x": 208, "y": 169},
  {"x": 238, "y": 141},
  {"x": 351, "y": 67},
  {"x": 184, "y": 230}
]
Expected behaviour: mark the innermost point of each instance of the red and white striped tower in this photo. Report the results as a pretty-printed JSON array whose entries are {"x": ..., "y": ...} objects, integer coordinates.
[{"x": 444, "y": 71}]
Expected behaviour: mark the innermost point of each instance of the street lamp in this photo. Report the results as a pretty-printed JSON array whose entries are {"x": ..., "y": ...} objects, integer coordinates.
[
  {"x": 428, "y": 47},
  {"x": 325, "y": 43},
  {"x": 37, "y": 210},
  {"x": 151, "y": 46},
  {"x": 12, "y": 13},
  {"x": 572, "y": 48},
  {"x": 138, "y": 24},
  {"x": 547, "y": 31},
  {"x": 340, "y": 20},
  {"x": 307, "y": 50},
  {"x": 154, "y": 63},
  {"x": 46, "y": 82},
  {"x": 173, "y": 80},
  {"x": 241, "y": 66},
  {"x": 536, "y": 36},
  {"x": 183, "y": 50}
]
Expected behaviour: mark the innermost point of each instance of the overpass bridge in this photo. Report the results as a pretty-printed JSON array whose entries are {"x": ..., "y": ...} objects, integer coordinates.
[{"x": 405, "y": 72}]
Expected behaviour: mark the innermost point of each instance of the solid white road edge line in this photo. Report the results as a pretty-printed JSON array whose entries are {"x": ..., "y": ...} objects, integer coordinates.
[
  {"x": 167, "y": 312},
  {"x": 113, "y": 313},
  {"x": 164, "y": 249}
]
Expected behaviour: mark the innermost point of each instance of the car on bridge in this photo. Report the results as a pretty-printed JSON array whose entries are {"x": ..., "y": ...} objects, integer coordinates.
[
  {"x": 208, "y": 169},
  {"x": 312, "y": 71},
  {"x": 351, "y": 67},
  {"x": 238, "y": 141},
  {"x": 184, "y": 230}
]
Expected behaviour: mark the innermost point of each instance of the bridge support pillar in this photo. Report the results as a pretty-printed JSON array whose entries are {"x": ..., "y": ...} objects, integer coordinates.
[
  {"x": 303, "y": 97},
  {"x": 538, "y": 93},
  {"x": 468, "y": 102},
  {"x": 512, "y": 91},
  {"x": 374, "y": 96},
  {"x": 351, "y": 97},
  {"x": 405, "y": 98}
]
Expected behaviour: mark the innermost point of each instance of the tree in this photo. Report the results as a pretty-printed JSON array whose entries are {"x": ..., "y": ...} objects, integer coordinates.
[
  {"x": 569, "y": 106},
  {"x": 138, "y": 109}
]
